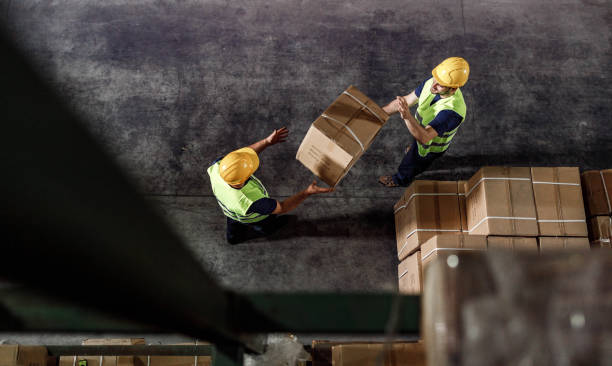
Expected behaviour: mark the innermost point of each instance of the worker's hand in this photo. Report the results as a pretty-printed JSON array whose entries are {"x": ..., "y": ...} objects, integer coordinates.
[
  {"x": 313, "y": 188},
  {"x": 404, "y": 109},
  {"x": 277, "y": 136}
]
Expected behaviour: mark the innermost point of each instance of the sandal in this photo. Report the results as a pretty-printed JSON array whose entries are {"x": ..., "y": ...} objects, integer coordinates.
[{"x": 387, "y": 181}]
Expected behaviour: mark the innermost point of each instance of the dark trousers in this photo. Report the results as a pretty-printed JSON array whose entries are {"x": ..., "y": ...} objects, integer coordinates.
[
  {"x": 412, "y": 165},
  {"x": 238, "y": 232}
]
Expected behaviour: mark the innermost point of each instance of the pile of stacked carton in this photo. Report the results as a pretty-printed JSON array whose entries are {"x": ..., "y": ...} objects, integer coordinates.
[
  {"x": 516, "y": 208},
  {"x": 597, "y": 186}
]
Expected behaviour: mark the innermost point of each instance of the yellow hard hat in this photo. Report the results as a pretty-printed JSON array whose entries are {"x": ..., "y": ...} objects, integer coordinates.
[
  {"x": 452, "y": 72},
  {"x": 237, "y": 166}
]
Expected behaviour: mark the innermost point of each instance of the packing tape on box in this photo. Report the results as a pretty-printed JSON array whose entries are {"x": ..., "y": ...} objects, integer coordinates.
[
  {"x": 430, "y": 230},
  {"x": 603, "y": 181},
  {"x": 365, "y": 106},
  {"x": 447, "y": 249},
  {"x": 423, "y": 194},
  {"x": 501, "y": 218},
  {"x": 493, "y": 178},
  {"x": 347, "y": 128}
]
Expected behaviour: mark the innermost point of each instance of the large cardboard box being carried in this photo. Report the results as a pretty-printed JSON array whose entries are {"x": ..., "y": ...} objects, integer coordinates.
[
  {"x": 374, "y": 354},
  {"x": 426, "y": 208},
  {"x": 552, "y": 244},
  {"x": 338, "y": 138},
  {"x": 18, "y": 355},
  {"x": 107, "y": 360},
  {"x": 500, "y": 202},
  {"x": 558, "y": 200},
  {"x": 600, "y": 231},
  {"x": 597, "y": 186}
]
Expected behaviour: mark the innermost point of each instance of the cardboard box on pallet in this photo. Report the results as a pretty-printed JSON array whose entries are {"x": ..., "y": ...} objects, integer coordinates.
[
  {"x": 393, "y": 354},
  {"x": 426, "y": 208},
  {"x": 107, "y": 360},
  {"x": 410, "y": 275},
  {"x": 500, "y": 202},
  {"x": 18, "y": 355},
  {"x": 558, "y": 201},
  {"x": 600, "y": 231},
  {"x": 597, "y": 188},
  {"x": 552, "y": 244},
  {"x": 517, "y": 243},
  {"x": 338, "y": 138}
]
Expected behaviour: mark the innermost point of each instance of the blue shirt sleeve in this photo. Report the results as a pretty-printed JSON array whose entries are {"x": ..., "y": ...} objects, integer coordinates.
[
  {"x": 419, "y": 89},
  {"x": 263, "y": 206},
  {"x": 445, "y": 121},
  {"x": 215, "y": 162}
]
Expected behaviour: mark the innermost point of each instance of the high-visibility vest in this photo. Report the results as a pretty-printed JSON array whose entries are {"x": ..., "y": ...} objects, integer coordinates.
[
  {"x": 428, "y": 112},
  {"x": 236, "y": 202}
]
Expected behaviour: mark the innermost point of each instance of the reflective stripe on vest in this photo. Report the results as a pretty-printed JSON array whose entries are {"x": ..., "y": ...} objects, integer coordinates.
[
  {"x": 428, "y": 112},
  {"x": 234, "y": 202}
]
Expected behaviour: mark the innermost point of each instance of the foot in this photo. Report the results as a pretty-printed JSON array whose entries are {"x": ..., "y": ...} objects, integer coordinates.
[{"x": 387, "y": 181}]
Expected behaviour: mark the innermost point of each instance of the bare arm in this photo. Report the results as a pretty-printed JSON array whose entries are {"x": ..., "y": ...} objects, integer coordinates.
[
  {"x": 422, "y": 134},
  {"x": 275, "y": 137},
  {"x": 295, "y": 200},
  {"x": 393, "y": 107}
]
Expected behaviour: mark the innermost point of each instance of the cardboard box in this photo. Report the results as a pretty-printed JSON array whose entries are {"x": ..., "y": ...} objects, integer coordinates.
[
  {"x": 462, "y": 190},
  {"x": 107, "y": 360},
  {"x": 558, "y": 200},
  {"x": 18, "y": 355},
  {"x": 552, "y": 244},
  {"x": 444, "y": 245},
  {"x": 512, "y": 243},
  {"x": 426, "y": 208},
  {"x": 500, "y": 202},
  {"x": 338, "y": 138},
  {"x": 600, "y": 228},
  {"x": 321, "y": 351},
  {"x": 410, "y": 275},
  {"x": 392, "y": 354},
  {"x": 597, "y": 188},
  {"x": 182, "y": 360}
]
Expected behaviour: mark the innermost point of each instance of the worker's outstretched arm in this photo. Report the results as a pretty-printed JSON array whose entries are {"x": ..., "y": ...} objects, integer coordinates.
[
  {"x": 393, "y": 107},
  {"x": 275, "y": 137},
  {"x": 422, "y": 134},
  {"x": 295, "y": 200}
]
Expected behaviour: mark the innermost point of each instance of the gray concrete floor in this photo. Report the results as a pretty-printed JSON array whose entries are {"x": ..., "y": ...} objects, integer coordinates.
[{"x": 167, "y": 87}]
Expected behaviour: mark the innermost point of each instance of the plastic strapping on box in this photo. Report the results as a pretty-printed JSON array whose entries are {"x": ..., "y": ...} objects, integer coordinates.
[
  {"x": 561, "y": 220},
  {"x": 501, "y": 218},
  {"x": 557, "y": 183},
  {"x": 347, "y": 128},
  {"x": 101, "y": 359},
  {"x": 365, "y": 106},
  {"x": 423, "y": 194},
  {"x": 74, "y": 361},
  {"x": 446, "y": 249},
  {"x": 148, "y": 360},
  {"x": 493, "y": 178},
  {"x": 415, "y": 230},
  {"x": 603, "y": 181}
]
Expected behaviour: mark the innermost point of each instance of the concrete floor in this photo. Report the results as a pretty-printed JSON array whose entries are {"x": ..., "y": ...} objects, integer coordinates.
[{"x": 167, "y": 87}]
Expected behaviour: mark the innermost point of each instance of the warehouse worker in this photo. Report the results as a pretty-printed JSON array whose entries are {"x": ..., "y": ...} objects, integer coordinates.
[
  {"x": 244, "y": 200},
  {"x": 441, "y": 110}
]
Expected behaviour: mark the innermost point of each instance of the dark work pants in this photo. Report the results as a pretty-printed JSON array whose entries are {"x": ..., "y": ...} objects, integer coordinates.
[
  {"x": 412, "y": 165},
  {"x": 238, "y": 232}
]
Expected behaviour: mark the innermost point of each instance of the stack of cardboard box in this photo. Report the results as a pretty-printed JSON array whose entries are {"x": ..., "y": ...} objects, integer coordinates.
[
  {"x": 18, "y": 355},
  {"x": 498, "y": 207},
  {"x": 597, "y": 189}
]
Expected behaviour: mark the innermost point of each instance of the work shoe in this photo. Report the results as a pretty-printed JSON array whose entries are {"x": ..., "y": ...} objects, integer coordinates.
[{"x": 387, "y": 181}]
